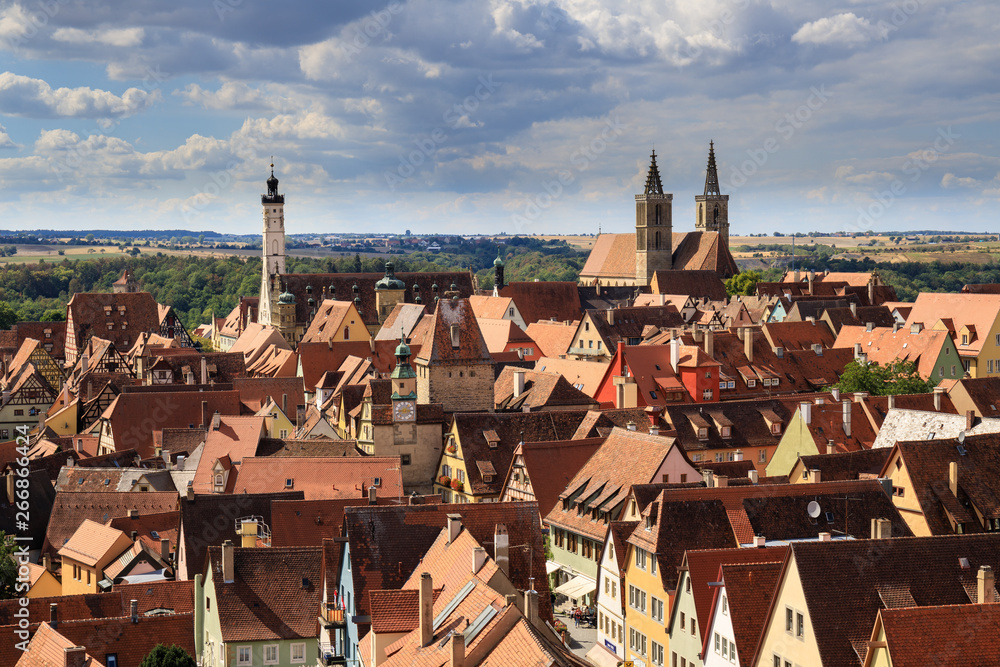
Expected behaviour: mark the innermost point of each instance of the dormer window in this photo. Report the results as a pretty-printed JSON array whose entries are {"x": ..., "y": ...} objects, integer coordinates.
[
  {"x": 965, "y": 339},
  {"x": 776, "y": 429},
  {"x": 726, "y": 431},
  {"x": 703, "y": 433},
  {"x": 289, "y": 483}
]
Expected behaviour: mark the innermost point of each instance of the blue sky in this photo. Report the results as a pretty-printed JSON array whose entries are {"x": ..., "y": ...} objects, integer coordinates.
[{"x": 473, "y": 116}]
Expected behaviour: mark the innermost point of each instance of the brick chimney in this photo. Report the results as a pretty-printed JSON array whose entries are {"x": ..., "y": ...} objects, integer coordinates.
[
  {"x": 74, "y": 656},
  {"x": 54, "y": 615},
  {"x": 426, "y": 603},
  {"x": 457, "y": 645},
  {"x": 986, "y": 583},
  {"x": 454, "y": 527},
  {"x": 938, "y": 393},
  {"x": 970, "y": 419},
  {"x": 881, "y": 529},
  {"x": 721, "y": 481},
  {"x": 134, "y": 607},
  {"x": 228, "y": 562},
  {"x": 501, "y": 548},
  {"x": 478, "y": 559}
]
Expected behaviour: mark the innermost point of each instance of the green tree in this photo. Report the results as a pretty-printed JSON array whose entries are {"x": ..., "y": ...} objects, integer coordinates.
[
  {"x": 8, "y": 316},
  {"x": 168, "y": 656},
  {"x": 8, "y": 566},
  {"x": 899, "y": 377},
  {"x": 53, "y": 315},
  {"x": 744, "y": 283},
  {"x": 90, "y": 238}
]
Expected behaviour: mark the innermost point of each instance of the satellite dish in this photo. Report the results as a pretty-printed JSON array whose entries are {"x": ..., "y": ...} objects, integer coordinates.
[
  {"x": 961, "y": 437},
  {"x": 813, "y": 509}
]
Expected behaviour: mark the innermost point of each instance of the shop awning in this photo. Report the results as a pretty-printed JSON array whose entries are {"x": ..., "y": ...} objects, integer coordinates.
[
  {"x": 551, "y": 566},
  {"x": 577, "y": 587}
]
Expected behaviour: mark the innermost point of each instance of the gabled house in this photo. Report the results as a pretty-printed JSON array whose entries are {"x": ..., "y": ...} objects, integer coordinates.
[
  {"x": 600, "y": 332},
  {"x": 658, "y": 375},
  {"x": 540, "y": 471},
  {"x": 32, "y": 351},
  {"x": 505, "y": 338},
  {"x": 552, "y": 338},
  {"x": 906, "y": 636},
  {"x": 336, "y": 321},
  {"x": 932, "y": 351},
  {"x": 320, "y": 477},
  {"x": 517, "y": 389},
  {"x": 738, "y": 607},
  {"x": 454, "y": 366},
  {"x": 611, "y": 592},
  {"x": 981, "y": 395},
  {"x": 258, "y": 606},
  {"x": 496, "y": 308},
  {"x": 26, "y": 396},
  {"x": 91, "y": 549},
  {"x": 821, "y": 425},
  {"x": 596, "y": 497},
  {"x": 972, "y": 321}
]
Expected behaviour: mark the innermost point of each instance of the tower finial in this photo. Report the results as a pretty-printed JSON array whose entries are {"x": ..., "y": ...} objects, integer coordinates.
[
  {"x": 653, "y": 184},
  {"x": 712, "y": 173},
  {"x": 272, "y": 165}
]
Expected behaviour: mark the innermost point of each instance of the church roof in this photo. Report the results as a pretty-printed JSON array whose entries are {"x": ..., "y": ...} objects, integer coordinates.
[{"x": 613, "y": 255}]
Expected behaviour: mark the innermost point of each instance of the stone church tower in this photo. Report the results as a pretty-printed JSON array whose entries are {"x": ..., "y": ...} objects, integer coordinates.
[
  {"x": 712, "y": 208},
  {"x": 273, "y": 205},
  {"x": 653, "y": 228}
]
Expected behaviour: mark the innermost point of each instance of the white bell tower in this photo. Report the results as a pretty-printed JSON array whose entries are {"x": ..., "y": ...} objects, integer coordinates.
[{"x": 273, "y": 205}]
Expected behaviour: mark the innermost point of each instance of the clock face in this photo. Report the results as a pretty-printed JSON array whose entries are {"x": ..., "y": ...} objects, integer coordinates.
[{"x": 404, "y": 411}]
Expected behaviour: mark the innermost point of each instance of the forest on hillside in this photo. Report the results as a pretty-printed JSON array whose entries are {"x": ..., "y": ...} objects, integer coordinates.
[{"x": 197, "y": 287}]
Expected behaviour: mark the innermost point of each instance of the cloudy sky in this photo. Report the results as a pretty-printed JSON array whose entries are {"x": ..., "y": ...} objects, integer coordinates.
[{"x": 488, "y": 116}]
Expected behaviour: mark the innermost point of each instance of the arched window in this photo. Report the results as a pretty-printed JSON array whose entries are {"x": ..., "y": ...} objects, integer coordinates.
[
  {"x": 657, "y": 246},
  {"x": 274, "y": 247},
  {"x": 657, "y": 214},
  {"x": 347, "y": 333},
  {"x": 716, "y": 218}
]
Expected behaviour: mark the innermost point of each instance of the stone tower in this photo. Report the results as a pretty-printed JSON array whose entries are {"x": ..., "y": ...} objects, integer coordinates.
[
  {"x": 273, "y": 205},
  {"x": 712, "y": 208},
  {"x": 389, "y": 291},
  {"x": 653, "y": 227}
]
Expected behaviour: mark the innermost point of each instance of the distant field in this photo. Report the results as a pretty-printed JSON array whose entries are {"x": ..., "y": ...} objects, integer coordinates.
[
  {"x": 582, "y": 242},
  {"x": 32, "y": 254}
]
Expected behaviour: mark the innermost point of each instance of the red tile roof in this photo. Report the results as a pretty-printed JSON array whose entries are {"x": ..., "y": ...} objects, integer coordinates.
[
  {"x": 551, "y": 466},
  {"x": 552, "y": 338},
  {"x": 544, "y": 300},
  {"x": 453, "y": 315},
  {"x": 320, "y": 478},
  {"x": 72, "y": 508},
  {"x": 962, "y": 634},
  {"x": 307, "y": 523},
  {"x": 47, "y": 649},
  {"x": 749, "y": 590},
  {"x": 176, "y": 596}
]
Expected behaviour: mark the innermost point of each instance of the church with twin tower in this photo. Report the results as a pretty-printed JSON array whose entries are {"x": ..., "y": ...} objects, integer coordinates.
[{"x": 633, "y": 259}]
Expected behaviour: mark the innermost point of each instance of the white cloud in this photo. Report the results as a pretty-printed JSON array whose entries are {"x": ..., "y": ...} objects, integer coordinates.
[
  {"x": 34, "y": 98},
  {"x": 950, "y": 180},
  {"x": 847, "y": 29},
  {"x": 123, "y": 37}
]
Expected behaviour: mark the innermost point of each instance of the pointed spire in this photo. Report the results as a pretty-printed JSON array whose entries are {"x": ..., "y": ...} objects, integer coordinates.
[
  {"x": 712, "y": 175},
  {"x": 653, "y": 184}
]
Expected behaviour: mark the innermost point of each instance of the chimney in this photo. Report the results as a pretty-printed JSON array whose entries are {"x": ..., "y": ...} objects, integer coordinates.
[
  {"x": 675, "y": 353},
  {"x": 204, "y": 414},
  {"x": 133, "y": 513},
  {"x": 189, "y": 492},
  {"x": 167, "y": 463},
  {"x": 134, "y": 606},
  {"x": 372, "y": 495},
  {"x": 831, "y": 447},
  {"x": 165, "y": 550},
  {"x": 815, "y": 476},
  {"x": 454, "y": 527},
  {"x": 860, "y": 396},
  {"x": 754, "y": 476},
  {"x": 857, "y": 350},
  {"x": 916, "y": 327},
  {"x": 47, "y": 561},
  {"x": 300, "y": 416},
  {"x": 895, "y": 327},
  {"x": 871, "y": 293},
  {"x": 454, "y": 336},
  {"x": 85, "y": 363},
  {"x": 759, "y": 541},
  {"x": 779, "y": 352},
  {"x": 90, "y": 391},
  {"x": 953, "y": 478},
  {"x": 824, "y": 537},
  {"x": 74, "y": 656},
  {"x": 805, "y": 408},
  {"x": 478, "y": 559},
  {"x": 986, "y": 582},
  {"x": 696, "y": 333},
  {"x": 818, "y": 349},
  {"x": 810, "y": 277},
  {"x": 134, "y": 534},
  {"x": 710, "y": 343},
  {"x": 663, "y": 299},
  {"x": 721, "y": 481},
  {"x": 54, "y": 615},
  {"x": 748, "y": 344},
  {"x": 881, "y": 529},
  {"x": 457, "y": 650},
  {"x": 284, "y": 404},
  {"x": 739, "y": 333},
  {"x": 847, "y": 418},
  {"x": 970, "y": 419},
  {"x": 611, "y": 316},
  {"x": 854, "y": 308},
  {"x": 835, "y": 392},
  {"x": 228, "y": 562},
  {"x": 519, "y": 382},
  {"x": 892, "y": 401},
  {"x": 938, "y": 393},
  {"x": 531, "y": 606},
  {"x": 216, "y": 421},
  {"x": 708, "y": 476},
  {"x": 426, "y": 602},
  {"x": 738, "y": 455},
  {"x": 204, "y": 370},
  {"x": 795, "y": 276},
  {"x": 630, "y": 426},
  {"x": 501, "y": 548}
]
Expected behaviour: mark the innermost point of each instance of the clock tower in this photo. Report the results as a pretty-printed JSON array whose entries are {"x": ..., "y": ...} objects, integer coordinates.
[
  {"x": 273, "y": 205},
  {"x": 404, "y": 386}
]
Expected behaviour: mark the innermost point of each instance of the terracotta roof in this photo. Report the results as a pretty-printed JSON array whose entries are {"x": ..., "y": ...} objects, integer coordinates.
[
  {"x": 396, "y": 610},
  {"x": 703, "y": 568},
  {"x": 320, "y": 478},
  {"x": 119, "y": 318},
  {"x": 927, "y": 463},
  {"x": 584, "y": 375},
  {"x": 93, "y": 543},
  {"x": 400, "y": 535},
  {"x": 88, "y": 605},
  {"x": 453, "y": 315},
  {"x": 174, "y": 596},
  {"x": 200, "y": 518},
  {"x": 313, "y": 447},
  {"x": 491, "y": 307},
  {"x": 552, "y": 465},
  {"x": 977, "y": 311},
  {"x": 326, "y": 323},
  {"x": 749, "y": 589},
  {"x": 689, "y": 282},
  {"x": 749, "y": 424},
  {"x": 41, "y": 499},
  {"x": 914, "y": 634},
  {"x": 541, "y": 391},
  {"x": 72, "y": 508},
  {"x": 798, "y": 335},
  {"x": 307, "y": 523},
  {"x": 47, "y": 649},
  {"x": 512, "y": 427},
  {"x": 164, "y": 525},
  {"x": 236, "y": 438},
  {"x": 883, "y": 345},
  {"x": 499, "y": 333},
  {"x": 844, "y": 466},
  {"x": 552, "y": 338},
  {"x": 48, "y": 333},
  {"x": 254, "y": 392},
  {"x": 857, "y": 568},
  {"x": 613, "y": 255},
  {"x": 402, "y": 319},
  {"x": 544, "y": 300},
  {"x": 274, "y": 594},
  {"x": 984, "y": 393},
  {"x": 602, "y": 484}
]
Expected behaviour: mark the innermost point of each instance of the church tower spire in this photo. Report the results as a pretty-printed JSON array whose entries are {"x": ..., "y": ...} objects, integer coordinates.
[
  {"x": 653, "y": 227},
  {"x": 712, "y": 207},
  {"x": 273, "y": 205}
]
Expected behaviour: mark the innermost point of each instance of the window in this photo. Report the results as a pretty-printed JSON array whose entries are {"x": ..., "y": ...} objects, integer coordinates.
[
  {"x": 656, "y": 656},
  {"x": 800, "y": 626},
  {"x": 762, "y": 455},
  {"x": 243, "y": 655},
  {"x": 20, "y": 413},
  {"x": 640, "y": 559},
  {"x": 687, "y": 585},
  {"x": 725, "y": 605},
  {"x": 683, "y": 621},
  {"x": 953, "y": 370},
  {"x": 298, "y": 653},
  {"x": 404, "y": 459},
  {"x": 111, "y": 660},
  {"x": 637, "y": 599},
  {"x": 271, "y": 654},
  {"x": 694, "y": 625},
  {"x": 788, "y": 620},
  {"x": 208, "y": 604},
  {"x": 656, "y": 609},
  {"x": 898, "y": 491},
  {"x": 751, "y": 383},
  {"x": 706, "y": 395},
  {"x": 652, "y": 565},
  {"x": 965, "y": 339},
  {"x": 718, "y": 643}
]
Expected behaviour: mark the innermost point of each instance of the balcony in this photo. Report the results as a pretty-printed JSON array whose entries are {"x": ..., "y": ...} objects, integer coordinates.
[
  {"x": 332, "y": 617},
  {"x": 330, "y": 654}
]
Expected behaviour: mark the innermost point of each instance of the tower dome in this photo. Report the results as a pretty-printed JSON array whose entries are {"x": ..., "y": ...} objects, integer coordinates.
[{"x": 390, "y": 281}]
